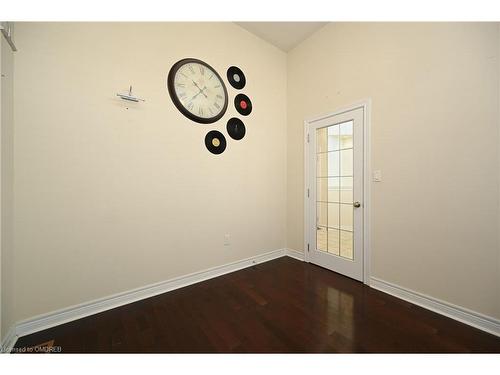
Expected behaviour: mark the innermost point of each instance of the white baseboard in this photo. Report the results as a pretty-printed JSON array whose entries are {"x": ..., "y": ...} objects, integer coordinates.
[
  {"x": 72, "y": 313},
  {"x": 299, "y": 255},
  {"x": 472, "y": 318},
  {"x": 9, "y": 341}
]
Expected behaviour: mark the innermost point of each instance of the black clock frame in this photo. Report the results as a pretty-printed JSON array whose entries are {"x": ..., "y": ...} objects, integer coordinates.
[{"x": 176, "y": 100}]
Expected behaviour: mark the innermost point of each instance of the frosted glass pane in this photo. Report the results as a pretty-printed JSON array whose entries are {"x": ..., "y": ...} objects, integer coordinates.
[
  {"x": 322, "y": 140},
  {"x": 346, "y": 135},
  {"x": 334, "y": 241},
  {"x": 346, "y": 190},
  {"x": 346, "y": 245},
  {"x": 346, "y": 161},
  {"x": 328, "y": 189},
  {"x": 322, "y": 189},
  {"x": 321, "y": 237},
  {"x": 333, "y": 189},
  {"x": 321, "y": 214},
  {"x": 333, "y": 215},
  {"x": 346, "y": 217},
  {"x": 333, "y": 137},
  {"x": 322, "y": 165},
  {"x": 328, "y": 164},
  {"x": 334, "y": 163}
]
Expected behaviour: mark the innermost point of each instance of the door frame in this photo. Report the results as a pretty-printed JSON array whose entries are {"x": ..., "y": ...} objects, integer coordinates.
[{"x": 366, "y": 106}]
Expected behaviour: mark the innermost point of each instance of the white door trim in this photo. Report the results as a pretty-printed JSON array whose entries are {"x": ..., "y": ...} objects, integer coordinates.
[{"x": 366, "y": 105}]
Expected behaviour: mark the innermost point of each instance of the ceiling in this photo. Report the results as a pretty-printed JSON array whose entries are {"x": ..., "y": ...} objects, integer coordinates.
[{"x": 284, "y": 35}]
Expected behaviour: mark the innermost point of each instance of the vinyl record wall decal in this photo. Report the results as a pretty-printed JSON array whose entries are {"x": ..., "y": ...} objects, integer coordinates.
[
  {"x": 236, "y": 128},
  {"x": 243, "y": 104},
  {"x": 215, "y": 142},
  {"x": 236, "y": 77}
]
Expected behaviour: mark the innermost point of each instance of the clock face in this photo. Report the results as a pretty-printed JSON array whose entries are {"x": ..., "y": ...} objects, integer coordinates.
[{"x": 197, "y": 91}]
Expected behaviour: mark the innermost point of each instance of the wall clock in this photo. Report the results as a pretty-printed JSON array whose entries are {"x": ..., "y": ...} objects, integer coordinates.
[{"x": 197, "y": 90}]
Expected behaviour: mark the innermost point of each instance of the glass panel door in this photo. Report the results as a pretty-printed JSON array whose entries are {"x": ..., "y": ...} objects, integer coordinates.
[{"x": 336, "y": 179}]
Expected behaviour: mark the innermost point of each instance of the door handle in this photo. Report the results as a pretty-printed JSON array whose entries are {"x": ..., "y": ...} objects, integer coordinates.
[{"x": 356, "y": 204}]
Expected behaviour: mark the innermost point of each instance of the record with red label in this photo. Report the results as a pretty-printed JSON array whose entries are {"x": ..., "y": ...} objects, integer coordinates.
[{"x": 243, "y": 104}]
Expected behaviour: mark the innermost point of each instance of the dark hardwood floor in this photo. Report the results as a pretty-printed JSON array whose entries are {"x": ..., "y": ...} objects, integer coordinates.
[{"x": 282, "y": 306}]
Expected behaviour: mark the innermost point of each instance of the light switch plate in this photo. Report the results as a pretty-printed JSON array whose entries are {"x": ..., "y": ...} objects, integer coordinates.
[{"x": 377, "y": 175}]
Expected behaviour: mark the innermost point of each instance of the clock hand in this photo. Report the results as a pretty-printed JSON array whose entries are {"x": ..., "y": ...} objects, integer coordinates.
[
  {"x": 201, "y": 92},
  {"x": 198, "y": 87}
]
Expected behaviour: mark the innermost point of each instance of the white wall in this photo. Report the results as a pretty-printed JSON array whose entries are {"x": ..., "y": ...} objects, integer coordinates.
[
  {"x": 435, "y": 116},
  {"x": 6, "y": 185},
  {"x": 109, "y": 199}
]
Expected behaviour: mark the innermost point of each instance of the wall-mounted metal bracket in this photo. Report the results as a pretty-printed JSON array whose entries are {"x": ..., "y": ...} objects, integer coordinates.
[{"x": 130, "y": 97}]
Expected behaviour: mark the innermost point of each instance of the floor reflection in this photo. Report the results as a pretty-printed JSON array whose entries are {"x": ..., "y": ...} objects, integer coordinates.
[{"x": 339, "y": 312}]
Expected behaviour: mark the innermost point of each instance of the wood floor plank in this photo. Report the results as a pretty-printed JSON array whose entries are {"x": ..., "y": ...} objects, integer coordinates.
[{"x": 281, "y": 306}]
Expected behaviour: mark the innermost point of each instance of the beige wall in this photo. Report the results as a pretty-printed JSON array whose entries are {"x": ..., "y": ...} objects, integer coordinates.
[
  {"x": 7, "y": 185},
  {"x": 435, "y": 102},
  {"x": 109, "y": 199}
]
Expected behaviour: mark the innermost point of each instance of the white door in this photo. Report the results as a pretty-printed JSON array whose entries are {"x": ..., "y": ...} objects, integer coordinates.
[{"x": 335, "y": 193}]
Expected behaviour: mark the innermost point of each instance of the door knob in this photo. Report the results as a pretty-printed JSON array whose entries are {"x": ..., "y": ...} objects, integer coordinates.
[{"x": 356, "y": 204}]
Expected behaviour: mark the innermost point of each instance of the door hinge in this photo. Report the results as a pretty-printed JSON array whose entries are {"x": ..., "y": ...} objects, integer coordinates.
[
  {"x": 307, "y": 193},
  {"x": 307, "y": 137},
  {"x": 307, "y": 247}
]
